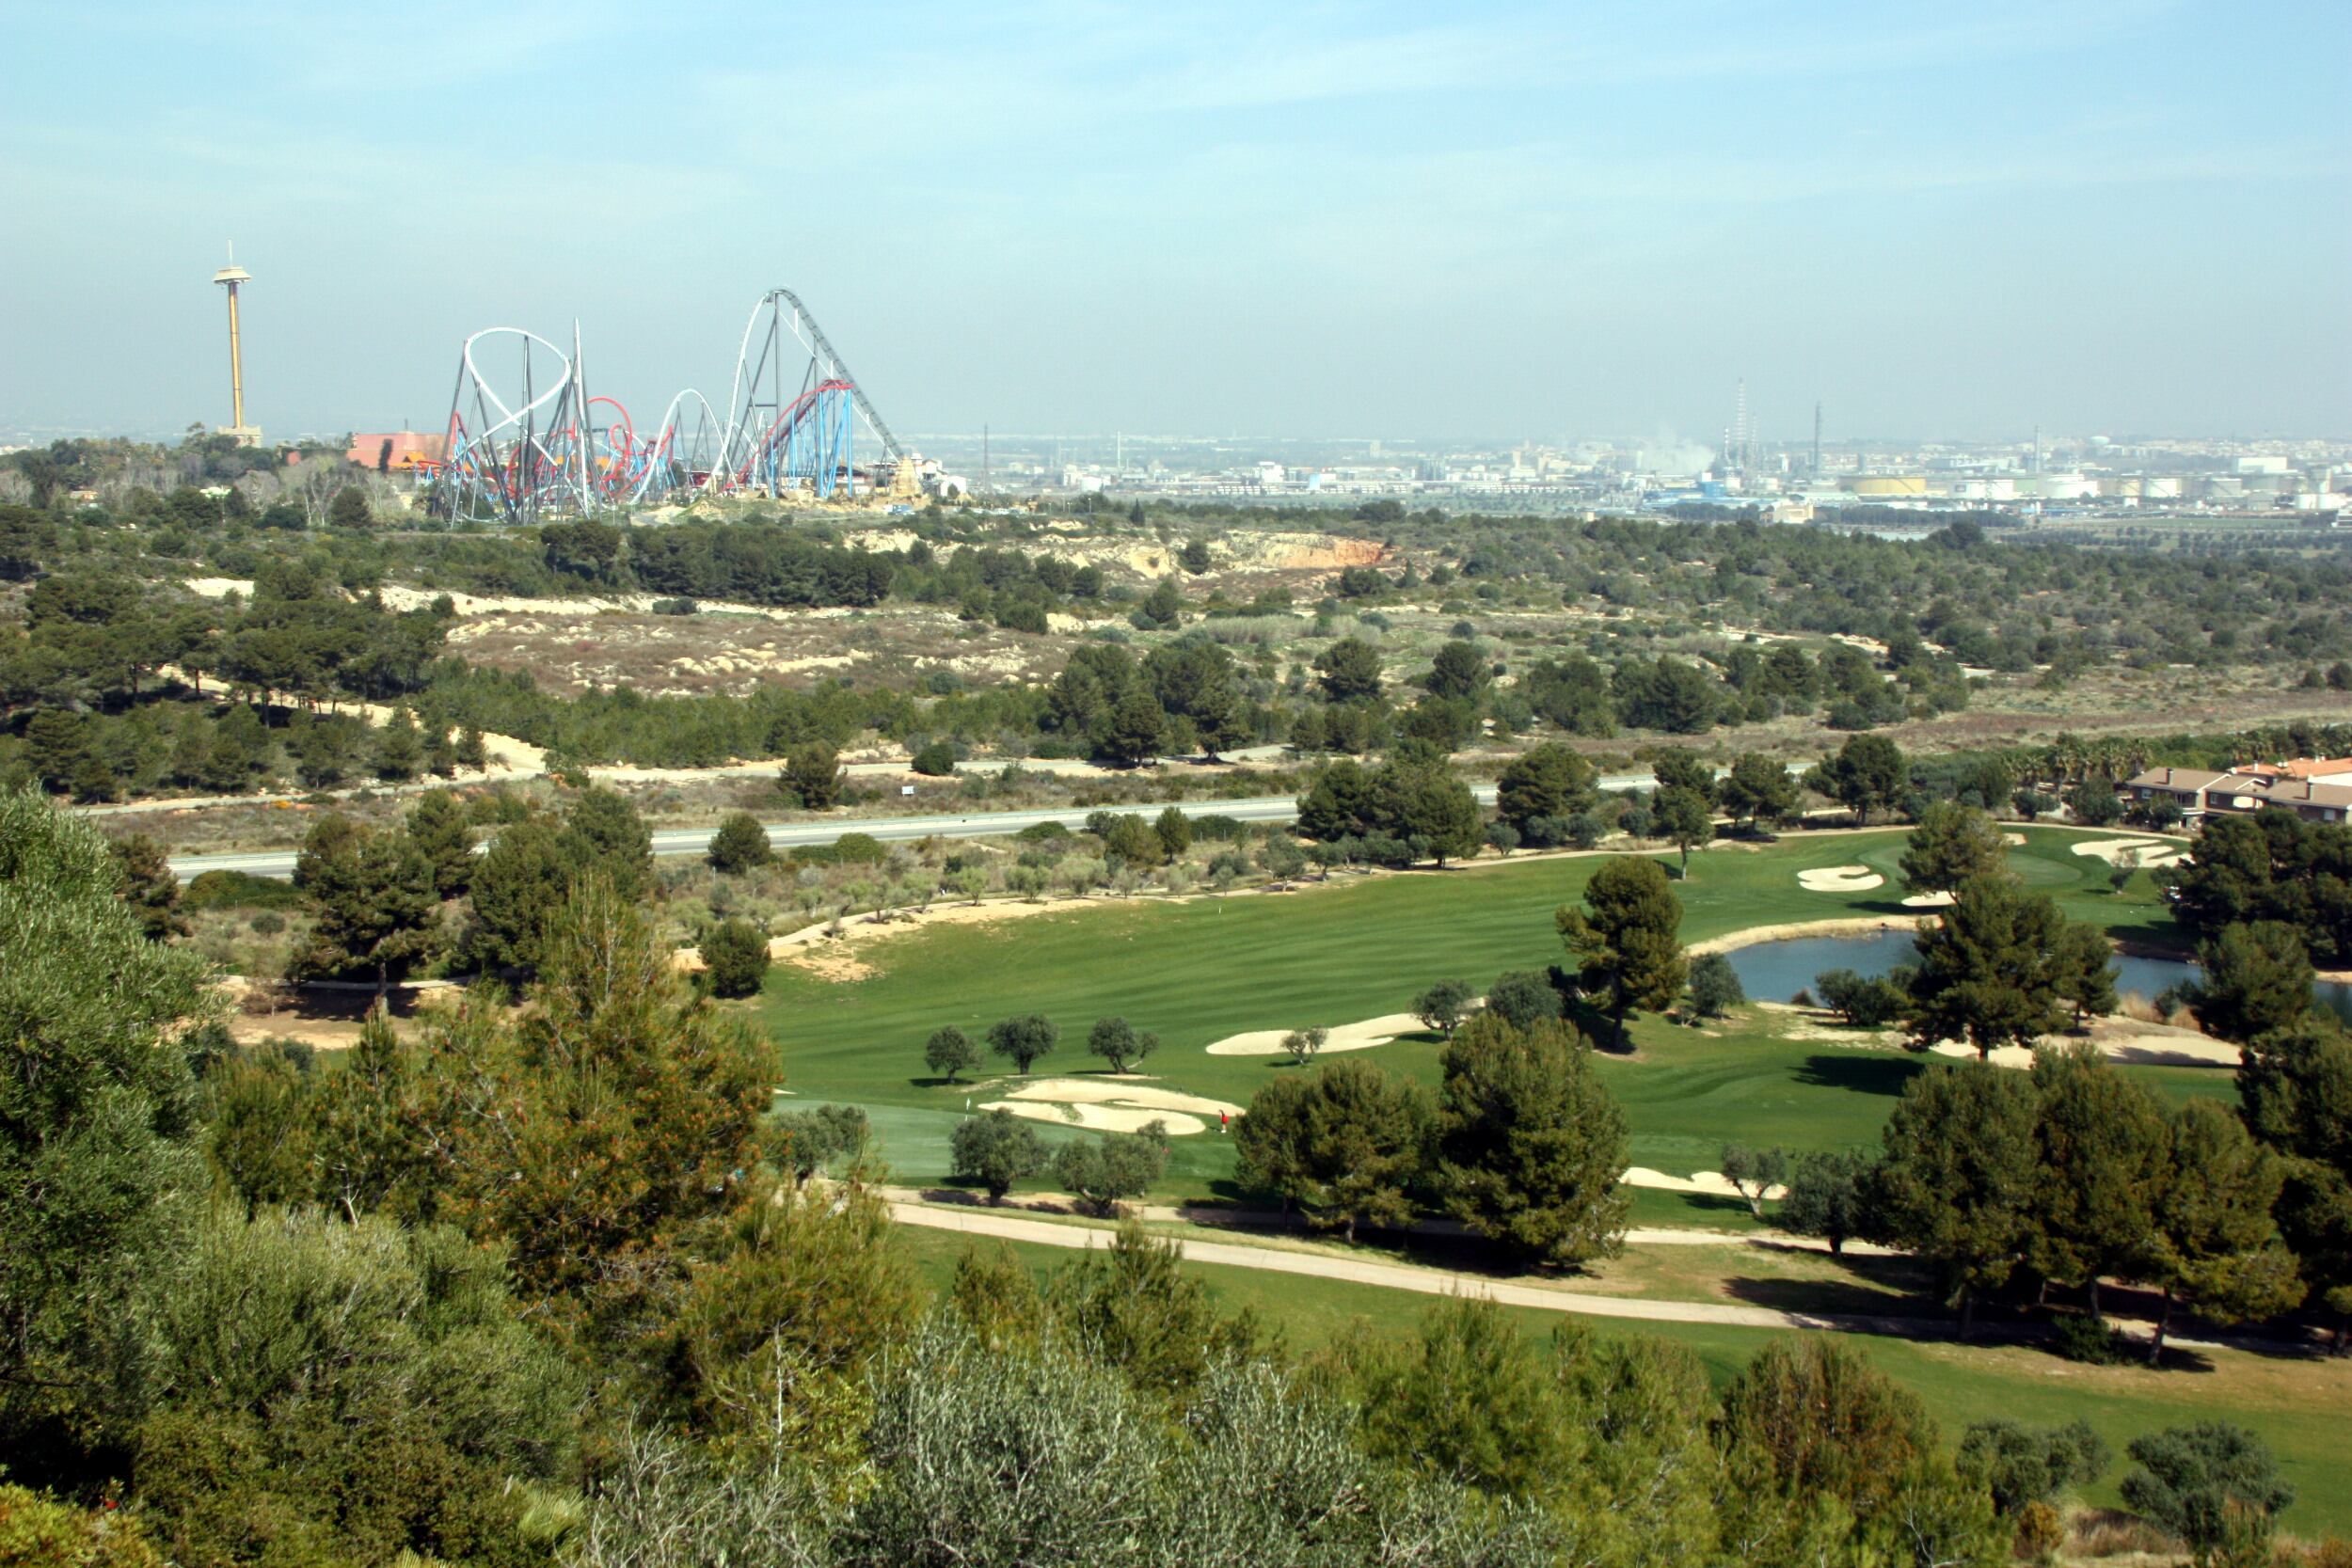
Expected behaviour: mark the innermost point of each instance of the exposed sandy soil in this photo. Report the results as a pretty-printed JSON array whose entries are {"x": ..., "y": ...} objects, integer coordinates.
[
  {"x": 1839, "y": 878},
  {"x": 1111, "y": 1106},
  {"x": 2149, "y": 852},
  {"x": 713, "y": 652},
  {"x": 826, "y": 963},
  {"x": 1711, "y": 1183},
  {"x": 1346, "y": 1037},
  {"x": 2124, "y": 1040},
  {"x": 321, "y": 1017}
]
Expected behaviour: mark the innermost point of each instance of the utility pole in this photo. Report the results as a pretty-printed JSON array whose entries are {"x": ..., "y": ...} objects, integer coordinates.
[
  {"x": 1817, "y": 439},
  {"x": 984, "y": 485}
]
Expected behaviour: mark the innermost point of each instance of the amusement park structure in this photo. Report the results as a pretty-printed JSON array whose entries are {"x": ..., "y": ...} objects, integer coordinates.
[{"x": 528, "y": 443}]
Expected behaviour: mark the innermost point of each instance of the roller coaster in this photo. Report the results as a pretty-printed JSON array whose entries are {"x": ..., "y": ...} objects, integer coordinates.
[{"x": 528, "y": 444}]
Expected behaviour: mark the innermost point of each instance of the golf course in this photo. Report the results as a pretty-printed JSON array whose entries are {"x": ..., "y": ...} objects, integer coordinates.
[
  {"x": 1203, "y": 969},
  {"x": 851, "y": 1023}
]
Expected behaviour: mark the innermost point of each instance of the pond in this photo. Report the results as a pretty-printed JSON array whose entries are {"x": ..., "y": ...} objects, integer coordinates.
[{"x": 1777, "y": 971}]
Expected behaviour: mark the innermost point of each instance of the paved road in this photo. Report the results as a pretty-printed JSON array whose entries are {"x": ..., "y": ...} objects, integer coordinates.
[{"x": 785, "y": 835}]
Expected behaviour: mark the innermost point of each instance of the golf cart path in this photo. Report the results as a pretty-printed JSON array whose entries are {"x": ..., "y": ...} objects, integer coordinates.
[{"x": 1436, "y": 1282}]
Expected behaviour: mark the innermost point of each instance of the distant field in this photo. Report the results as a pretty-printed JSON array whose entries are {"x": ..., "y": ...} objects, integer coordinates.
[
  {"x": 2286, "y": 1400},
  {"x": 1200, "y": 971}
]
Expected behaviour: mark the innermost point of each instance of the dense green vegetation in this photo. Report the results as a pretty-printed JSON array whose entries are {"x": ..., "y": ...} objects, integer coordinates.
[
  {"x": 100, "y": 655},
  {"x": 537, "y": 1287},
  {"x": 556, "y": 1275}
]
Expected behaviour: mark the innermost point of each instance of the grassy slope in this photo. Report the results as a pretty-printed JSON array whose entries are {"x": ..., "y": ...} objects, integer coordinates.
[
  {"x": 2286, "y": 1401},
  {"x": 1196, "y": 971}
]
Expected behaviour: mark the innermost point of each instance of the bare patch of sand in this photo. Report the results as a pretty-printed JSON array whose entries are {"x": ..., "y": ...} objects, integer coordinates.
[
  {"x": 1346, "y": 1037},
  {"x": 2147, "y": 852},
  {"x": 1927, "y": 900},
  {"x": 2122, "y": 1039},
  {"x": 826, "y": 963},
  {"x": 860, "y": 931},
  {"x": 1111, "y": 1107},
  {"x": 1839, "y": 878},
  {"x": 1100, "y": 1118},
  {"x": 1101, "y": 1091},
  {"x": 1712, "y": 1183}
]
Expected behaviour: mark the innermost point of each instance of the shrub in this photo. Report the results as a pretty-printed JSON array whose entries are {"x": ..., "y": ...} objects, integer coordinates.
[
  {"x": 936, "y": 760},
  {"x": 996, "y": 1148},
  {"x": 1101, "y": 1171},
  {"x": 1523, "y": 998},
  {"x": 238, "y": 890},
  {"x": 1715, "y": 987},
  {"x": 740, "y": 845},
  {"x": 859, "y": 849},
  {"x": 2090, "y": 1341},
  {"x": 1870, "y": 1003},
  {"x": 735, "y": 956},
  {"x": 2211, "y": 1484},
  {"x": 950, "y": 1053}
]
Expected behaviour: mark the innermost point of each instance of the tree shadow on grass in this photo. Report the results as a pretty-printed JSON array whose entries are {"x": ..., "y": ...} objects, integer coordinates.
[
  {"x": 1875, "y": 1073},
  {"x": 1833, "y": 1297},
  {"x": 1716, "y": 1203}
]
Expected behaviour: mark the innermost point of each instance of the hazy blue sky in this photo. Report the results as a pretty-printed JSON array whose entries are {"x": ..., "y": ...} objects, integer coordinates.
[{"x": 1363, "y": 219}]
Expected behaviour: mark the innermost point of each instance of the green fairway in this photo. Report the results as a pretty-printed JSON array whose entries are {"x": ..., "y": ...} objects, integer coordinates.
[
  {"x": 2283, "y": 1399},
  {"x": 1196, "y": 971}
]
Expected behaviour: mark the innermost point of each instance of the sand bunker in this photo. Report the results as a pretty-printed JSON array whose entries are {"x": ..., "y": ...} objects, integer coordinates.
[
  {"x": 2138, "y": 1051},
  {"x": 1109, "y": 1107},
  {"x": 1347, "y": 1037},
  {"x": 2149, "y": 852},
  {"x": 1839, "y": 878},
  {"x": 1712, "y": 1183},
  {"x": 2012, "y": 839},
  {"x": 1100, "y": 1118},
  {"x": 1927, "y": 900}
]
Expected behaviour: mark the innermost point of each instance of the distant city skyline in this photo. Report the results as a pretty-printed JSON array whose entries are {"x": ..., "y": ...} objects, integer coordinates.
[{"x": 1513, "y": 222}]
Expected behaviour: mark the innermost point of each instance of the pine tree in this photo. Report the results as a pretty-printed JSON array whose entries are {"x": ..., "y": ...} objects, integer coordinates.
[
  {"x": 101, "y": 1136},
  {"x": 2101, "y": 1161},
  {"x": 150, "y": 887},
  {"x": 438, "y": 826},
  {"x": 1530, "y": 1144},
  {"x": 1952, "y": 843},
  {"x": 2296, "y": 1087},
  {"x": 1957, "y": 1183},
  {"x": 1626, "y": 940},
  {"x": 398, "y": 749},
  {"x": 378, "y": 909},
  {"x": 2212, "y": 1240},
  {"x": 740, "y": 845},
  {"x": 1989, "y": 971},
  {"x": 812, "y": 775}
]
